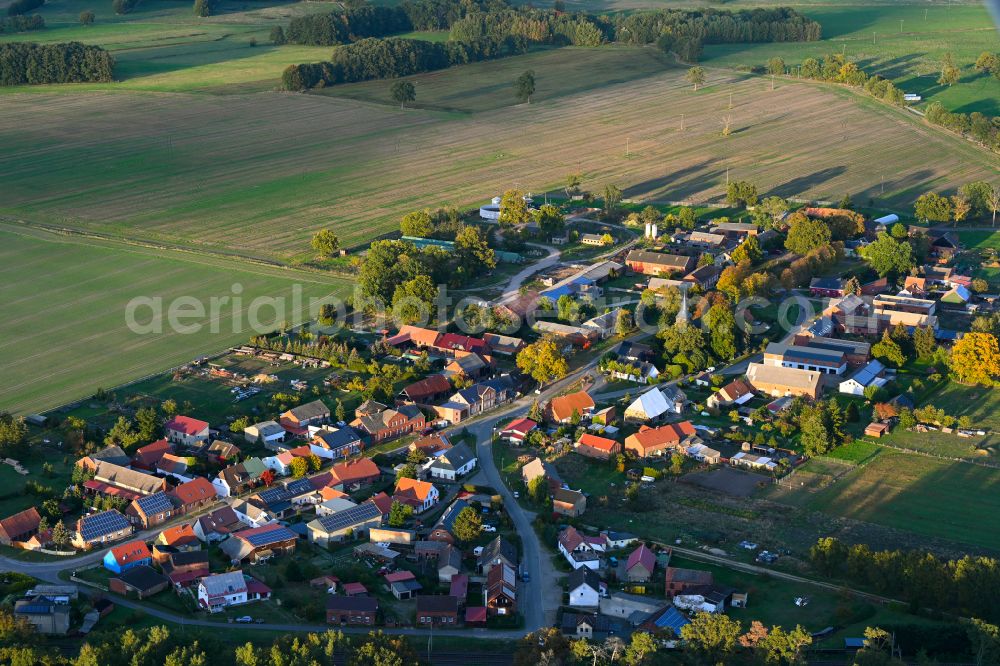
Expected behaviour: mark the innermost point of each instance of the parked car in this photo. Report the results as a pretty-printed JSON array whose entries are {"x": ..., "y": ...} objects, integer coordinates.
[
  {"x": 246, "y": 619},
  {"x": 517, "y": 495},
  {"x": 613, "y": 561},
  {"x": 525, "y": 576},
  {"x": 477, "y": 551},
  {"x": 489, "y": 528}
]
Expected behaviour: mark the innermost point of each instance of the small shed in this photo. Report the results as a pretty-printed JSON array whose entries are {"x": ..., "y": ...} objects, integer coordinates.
[{"x": 876, "y": 430}]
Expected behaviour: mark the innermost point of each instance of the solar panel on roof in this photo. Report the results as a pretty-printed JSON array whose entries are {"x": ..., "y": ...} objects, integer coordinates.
[
  {"x": 259, "y": 539},
  {"x": 156, "y": 503},
  {"x": 349, "y": 517},
  {"x": 34, "y": 609},
  {"x": 299, "y": 486},
  {"x": 103, "y": 523}
]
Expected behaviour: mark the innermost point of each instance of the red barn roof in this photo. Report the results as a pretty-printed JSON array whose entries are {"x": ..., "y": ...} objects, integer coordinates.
[{"x": 186, "y": 425}]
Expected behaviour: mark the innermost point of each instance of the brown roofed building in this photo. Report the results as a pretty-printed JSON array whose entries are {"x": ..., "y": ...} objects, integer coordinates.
[
  {"x": 390, "y": 423},
  {"x": 427, "y": 391},
  {"x": 194, "y": 494},
  {"x": 346, "y": 611},
  {"x": 147, "y": 456},
  {"x": 593, "y": 446},
  {"x": 658, "y": 263},
  {"x": 360, "y": 472},
  {"x": 561, "y": 409},
  {"x": 656, "y": 441},
  {"x": 500, "y": 590},
  {"x": 439, "y": 610},
  {"x": 678, "y": 580},
  {"x": 19, "y": 527},
  {"x": 567, "y": 502}
]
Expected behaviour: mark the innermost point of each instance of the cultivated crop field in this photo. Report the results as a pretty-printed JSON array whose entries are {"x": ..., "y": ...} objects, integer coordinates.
[
  {"x": 935, "y": 498},
  {"x": 64, "y": 330},
  {"x": 261, "y": 173}
]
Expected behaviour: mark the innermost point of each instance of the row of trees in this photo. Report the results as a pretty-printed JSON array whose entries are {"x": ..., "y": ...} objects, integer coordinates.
[
  {"x": 378, "y": 21},
  {"x": 836, "y": 69},
  {"x": 975, "y": 200},
  {"x": 21, "y": 23},
  {"x": 965, "y": 585},
  {"x": 72, "y": 62},
  {"x": 388, "y": 58},
  {"x": 535, "y": 26},
  {"x": 979, "y": 127}
]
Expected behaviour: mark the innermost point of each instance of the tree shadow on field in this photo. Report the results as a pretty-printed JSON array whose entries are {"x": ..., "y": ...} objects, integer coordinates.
[
  {"x": 137, "y": 63},
  {"x": 902, "y": 188},
  {"x": 656, "y": 186},
  {"x": 797, "y": 186},
  {"x": 891, "y": 68}
]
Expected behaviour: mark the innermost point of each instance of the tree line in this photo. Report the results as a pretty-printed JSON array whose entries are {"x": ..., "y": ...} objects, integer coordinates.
[
  {"x": 977, "y": 126},
  {"x": 72, "y": 62},
  {"x": 21, "y": 23},
  {"x": 373, "y": 58},
  {"x": 377, "y": 21},
  {"x": 966, "y": 586}
]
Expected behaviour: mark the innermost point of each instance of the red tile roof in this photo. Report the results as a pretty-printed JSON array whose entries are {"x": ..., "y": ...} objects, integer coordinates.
[
  {"x": 198, "y": 490},
  {"x": 562, "y": 408},
  {"x": 352, "y": 589},
  {"x": 383, "y": 502},
  {"x": 147, "y": 456},
  {"x": 522, "y": 426},
  {"x": 475, "y": 614},
  {"x": 355, "y": 470},
  {"x": 178, "y": 535},
  {"x": 418, "y": 489},
  {"x": 643, "y": 556},
  {"x": 455, "y": 341},
  {"x": 133, "y": 551},
  {"x": 186, "y": 425},
  {"x": 653, "y": 439},
  {"x": 600, "y": 443},
  {"x": 399, "y": 576}
]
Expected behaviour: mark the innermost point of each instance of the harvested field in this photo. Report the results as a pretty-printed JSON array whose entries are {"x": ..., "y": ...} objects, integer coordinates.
[
  {"x": 64, "y": 331},
  {"x": 261, "y": 173},
  {"x": 728, "y": 480}
]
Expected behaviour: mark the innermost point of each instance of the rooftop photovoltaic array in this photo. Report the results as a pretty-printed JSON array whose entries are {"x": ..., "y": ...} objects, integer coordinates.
[
  {"x": 103, "y": 523},
  {"x": 259, "y": 539},
  {"x": 155, "y": 503},
  {"x": 349, "y": 517}
]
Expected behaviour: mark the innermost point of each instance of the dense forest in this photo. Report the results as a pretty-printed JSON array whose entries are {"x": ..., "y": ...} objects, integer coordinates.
[
  {"x": 394, "y": 56},
  {"x": 370, "y": 21},
  {"x": 71, "y": 62},
  {"x": 21, "y": 23},
  {"x": 496, "y": 30},
  {"x": 18, "y": 7}
]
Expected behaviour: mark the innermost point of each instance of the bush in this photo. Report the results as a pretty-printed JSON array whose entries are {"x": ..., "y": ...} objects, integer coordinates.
[{"x": 21, "y": 23}]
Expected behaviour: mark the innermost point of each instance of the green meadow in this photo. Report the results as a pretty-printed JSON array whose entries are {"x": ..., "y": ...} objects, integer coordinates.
[{"x": 64, "y": 332}]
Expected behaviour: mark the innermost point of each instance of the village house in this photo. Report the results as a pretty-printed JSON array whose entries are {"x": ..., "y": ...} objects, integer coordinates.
[
  {"x": 826, "y": 287},
  {"x": 593, "y": 446},
  {"x": 566, "y": 502},
  {"x": 536, "y": 468},
  {"x": 116, "y": 481},
  {"x": 151, "y": 510},
  {"x": 175, "y": 467},
  {"x": 19, "y": 527},
  {"x": 518, "y": 430},
  {"x": 737, "y": 392},
  {"x": 735, "y": 230},
  {"x": 147, "y": 456},
  {"x": 452, "y": 464},
  {"x": 180, "y": 537},
  {"x": 343, "y": 611},
  {"x": 259, "y": 543},
  {"x": 564, "y": 408},
  {"x": 184, "y": 568},
  {"x": 48, "y": 615},
  {"x": 705, "y": 277},
  {"x": 354, "y": 474},
  {"x": 426, "y": 392},
  {"x": 654, "y": 442},
  {"x": 437, "y": 610},
  {"x": 431, "y": 445},
  {"x": 138, "y": 582},
  {"x": 113, "y": 454},
  {"x": 567, "y": 334},
  {"x": 780, "y": 381},
  {"x": 268, "y": 433},
  {"x": 584, "y": 586},
  {"x": 421, "y": 495},
  {"x": 589, "y": 627},
  {"x": 298, "y": 419},
  {"x": 640, "y": 565},
  {"x": 220, "y": 591},
  {"x": 186, "y": 431},
  {"x": 100, "y": 528},
  {"x": 221, "y": 452},
  {"x": 337, "y": 443},
  {"x": 503, "y": 344},
  {"x": 681, "y": 581},
  {"x": 217, "y": 525},
  {"x": 870, "y": 375},
  {"x": 402, "y": 584},
  {"x": 345, "y": 524},
  {"x": 496, "y": 552},
  {"x": 390, "y": 423},
  {"x": 127, "y": 555},
  {"x": 449, "y": 563},
  {"x": 459, "y": 588},
  {"x": 657, "y": 402},
  {"x": 577, "y": 550},
  {"x": 468, "y": 365},
  {"x": 232, "y": 480},
  {"x": 856, "y": 352},
  {"x": 658, "y": 263},
  {"x": 753, "y": 461},
  {"x": 500, "y": 591}
]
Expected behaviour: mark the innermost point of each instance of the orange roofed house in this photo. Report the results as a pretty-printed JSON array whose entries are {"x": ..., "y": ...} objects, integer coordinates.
[
  {"x": 355, "y": 473},
  {"x": 20, "y": 527},
  {"x": 593, "y": 446},
  {"x": 418, "y": 494},
  {"x": 562, "y": 409},
  {"x": 652, "y": 442}
]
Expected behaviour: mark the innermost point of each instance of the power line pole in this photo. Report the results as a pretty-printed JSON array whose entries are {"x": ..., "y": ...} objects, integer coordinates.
[
  {"x": 901, "y": 26},
  {"x": 626, "y": 147},
  {"x": 682, "y": 122}
]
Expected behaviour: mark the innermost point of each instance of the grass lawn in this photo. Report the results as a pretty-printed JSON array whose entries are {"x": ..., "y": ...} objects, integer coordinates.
[
  {"x": 65, "y": 332},
  {"x": 857, "y": 452},
  {"x": 14, "y": 497},
  {"x": 593, "y": 477},
  {"x": 980, "y": 239},
  {"x": 920, "y": 495}
]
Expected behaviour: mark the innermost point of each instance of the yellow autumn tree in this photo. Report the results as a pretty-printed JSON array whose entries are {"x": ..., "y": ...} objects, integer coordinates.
[{"x": 975, "y": 359}]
